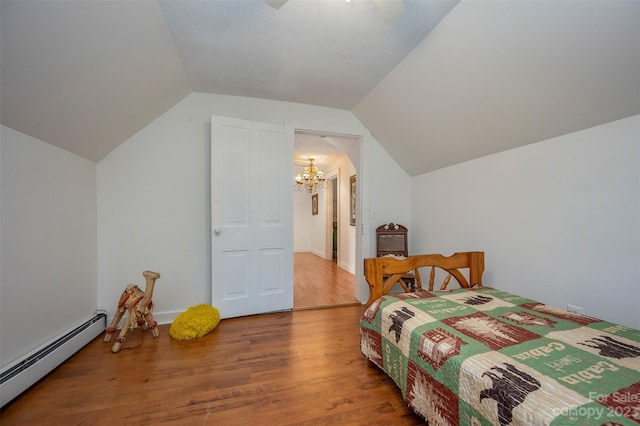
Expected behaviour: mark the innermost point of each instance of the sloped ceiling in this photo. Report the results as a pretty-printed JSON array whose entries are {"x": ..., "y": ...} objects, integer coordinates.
[
  {"x": 442, "y": 84},
  {"x": 501, "y": 74},
  {"x": 86, "y": 75}
]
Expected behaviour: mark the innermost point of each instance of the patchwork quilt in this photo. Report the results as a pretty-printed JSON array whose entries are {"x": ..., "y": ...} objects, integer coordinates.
[{"x": 487, "y": 357}]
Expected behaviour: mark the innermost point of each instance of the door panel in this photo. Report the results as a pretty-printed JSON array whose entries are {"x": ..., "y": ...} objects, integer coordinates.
[
  {"x": 251, "y": 216},
  {"x": 272, "y": 265},
  {"x": 236, "y": 275}
]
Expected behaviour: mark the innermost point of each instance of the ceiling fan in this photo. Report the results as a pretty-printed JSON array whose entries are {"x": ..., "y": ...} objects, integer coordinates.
[{"x": 389, "y": 9}]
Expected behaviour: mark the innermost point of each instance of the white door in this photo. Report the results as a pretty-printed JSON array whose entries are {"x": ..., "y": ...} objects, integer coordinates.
[{"x": 251, "y": 217}]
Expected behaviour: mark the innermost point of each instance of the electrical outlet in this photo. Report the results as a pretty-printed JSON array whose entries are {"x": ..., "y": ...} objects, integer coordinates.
[{"x": 574, "y": 308}]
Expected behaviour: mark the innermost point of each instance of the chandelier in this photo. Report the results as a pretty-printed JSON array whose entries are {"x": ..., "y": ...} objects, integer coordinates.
[{"x": 311, "y": 179}]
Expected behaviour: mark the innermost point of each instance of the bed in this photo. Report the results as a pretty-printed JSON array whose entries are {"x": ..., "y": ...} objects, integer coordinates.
[{"x": 475, "y": 355}]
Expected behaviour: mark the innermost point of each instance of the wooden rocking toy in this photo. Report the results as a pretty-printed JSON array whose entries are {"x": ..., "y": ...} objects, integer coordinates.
[{"x": 140, "y": 308}]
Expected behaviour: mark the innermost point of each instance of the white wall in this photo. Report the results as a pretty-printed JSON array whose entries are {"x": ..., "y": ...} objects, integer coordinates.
[
  {"x": 154, "y": 197},
  {"x": 393, "y": 193},
  {"x": 318, "y": 226},
  {"x": 48, "y": 245},
  {"x": 346, "y": 232},
  {"x": 301, "y": 221},
  {"x": 559, "y": 220}
]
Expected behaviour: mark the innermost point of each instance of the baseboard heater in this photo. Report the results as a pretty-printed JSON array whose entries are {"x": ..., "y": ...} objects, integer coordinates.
[{"x": 23, "y": 373}]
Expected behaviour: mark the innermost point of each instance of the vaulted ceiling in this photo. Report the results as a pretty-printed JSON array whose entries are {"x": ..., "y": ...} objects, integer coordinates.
[{"x": 443, "y": 83}]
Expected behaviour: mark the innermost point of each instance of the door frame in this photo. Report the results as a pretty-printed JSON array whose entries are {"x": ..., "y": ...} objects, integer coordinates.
[{"x": 363, "y": 197}]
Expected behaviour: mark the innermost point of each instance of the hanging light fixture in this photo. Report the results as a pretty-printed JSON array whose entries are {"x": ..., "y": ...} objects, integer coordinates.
[{"x": 311, "y": 179}]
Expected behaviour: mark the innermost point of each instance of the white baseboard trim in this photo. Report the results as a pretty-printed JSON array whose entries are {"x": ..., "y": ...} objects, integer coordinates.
[
  {"x": 162, "y": 318},
  {"x": 347, "y": 267}
]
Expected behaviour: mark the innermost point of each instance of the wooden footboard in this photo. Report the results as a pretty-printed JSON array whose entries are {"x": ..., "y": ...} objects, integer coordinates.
[{"x": 383, "y": 272}]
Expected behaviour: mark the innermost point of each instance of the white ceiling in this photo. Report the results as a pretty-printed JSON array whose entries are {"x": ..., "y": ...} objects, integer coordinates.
[
  {"x": 328, "y": 53},
  {"x": 86, "y": 75},
  {"x": 439, "y": 85},
  {"x": 495, "y": 75},
  {"x": 325, "y": 148}
]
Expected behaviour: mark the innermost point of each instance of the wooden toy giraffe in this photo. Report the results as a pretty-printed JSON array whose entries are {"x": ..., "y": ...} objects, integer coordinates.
[{"x": 139, "y": 306}]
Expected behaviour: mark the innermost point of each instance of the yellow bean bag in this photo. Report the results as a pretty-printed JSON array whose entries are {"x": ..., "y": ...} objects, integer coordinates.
[{"x": 196, "y": 321}]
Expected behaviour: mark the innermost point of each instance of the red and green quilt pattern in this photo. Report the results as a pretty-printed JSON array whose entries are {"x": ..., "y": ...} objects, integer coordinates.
[{"x": 487, "y": 357}]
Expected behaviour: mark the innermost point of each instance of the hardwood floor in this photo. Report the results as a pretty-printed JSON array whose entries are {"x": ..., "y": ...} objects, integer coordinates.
[
  {"x": 294, "y": 368},
  {"x": 320, "y": 283}
]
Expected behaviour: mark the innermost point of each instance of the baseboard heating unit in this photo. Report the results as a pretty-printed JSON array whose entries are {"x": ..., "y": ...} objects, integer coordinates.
[{"x": 23, "y": 373}]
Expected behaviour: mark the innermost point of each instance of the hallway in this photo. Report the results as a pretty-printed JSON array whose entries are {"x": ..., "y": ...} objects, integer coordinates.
[{"x": 319, "y": 283}]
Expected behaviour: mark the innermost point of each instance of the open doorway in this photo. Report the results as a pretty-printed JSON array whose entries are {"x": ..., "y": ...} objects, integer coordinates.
[{"x": 324, "y": 238}]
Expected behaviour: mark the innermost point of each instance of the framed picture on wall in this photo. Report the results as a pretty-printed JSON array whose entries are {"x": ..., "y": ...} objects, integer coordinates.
[
  {"x": 314, "y": 204},
  {"x": 352, "y": 216}
]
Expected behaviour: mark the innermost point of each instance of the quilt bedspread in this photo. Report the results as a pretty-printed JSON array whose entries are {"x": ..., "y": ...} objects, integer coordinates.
[{"x": 487, "y": 357}]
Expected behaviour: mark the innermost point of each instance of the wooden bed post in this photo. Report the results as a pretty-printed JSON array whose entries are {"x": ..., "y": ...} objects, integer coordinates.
[
  {"x": 476, "y": 268},
  {"x": 373, "y": 274}
]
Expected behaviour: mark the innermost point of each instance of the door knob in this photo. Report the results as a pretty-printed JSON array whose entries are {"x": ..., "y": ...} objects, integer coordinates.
[{"x": 217, "y": 231}]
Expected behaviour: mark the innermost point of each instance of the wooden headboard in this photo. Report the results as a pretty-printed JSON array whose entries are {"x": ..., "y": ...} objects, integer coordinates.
[{"x": 383, "y": 272}]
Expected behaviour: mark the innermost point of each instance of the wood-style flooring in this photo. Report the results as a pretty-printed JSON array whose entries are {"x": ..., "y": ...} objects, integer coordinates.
[
  {"x": 320, "y": 283},
  {"x": 294, "y": 368}
]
